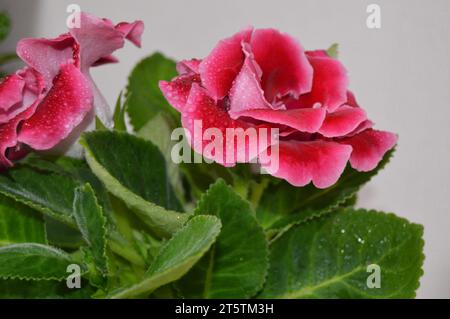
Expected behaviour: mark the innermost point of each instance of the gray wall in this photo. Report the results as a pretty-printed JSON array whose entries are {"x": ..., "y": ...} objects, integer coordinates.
[{"x": 400, "y": 74}]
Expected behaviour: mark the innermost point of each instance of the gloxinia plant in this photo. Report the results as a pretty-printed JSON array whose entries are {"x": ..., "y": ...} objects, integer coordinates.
[{"x": 129, "y": 221}]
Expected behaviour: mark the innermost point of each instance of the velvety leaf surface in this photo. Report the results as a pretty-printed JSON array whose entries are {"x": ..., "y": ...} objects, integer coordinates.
[
  {"x": 145, "y": 98},
  {"x": 177, "y": 256},
  {"x": 19, "y": 223},
  {"x": 328, "y": 257},
  {"x": 284, "y": 205},
  {"x": 92, "y": 224},
  {"x": 51, "y": 194},
  {"x": 33, "y": 261},
  {"x": 134, "y": 170},
  {"x": 236, "y": 265}
]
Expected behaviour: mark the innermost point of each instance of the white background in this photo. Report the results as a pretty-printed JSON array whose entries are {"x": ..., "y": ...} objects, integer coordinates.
[{"x": 400, "y": 75}]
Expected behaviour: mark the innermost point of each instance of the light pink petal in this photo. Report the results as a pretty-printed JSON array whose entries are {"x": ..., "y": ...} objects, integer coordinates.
[
  {"x": 219, "y": 69},
  {"x": 177, "y": 91},
  {"x": 98, "y": 38},
  {"x": 188, "y": 66},
  {"x": 46, "y": 55},
  {"x": 132, "y": 31},
  {"x": 64, "y": 107},
  {"x": 285, "y": 67},
  {"x": 304, "y": 120},
  {"x": 369, "y": 148},
  {"x": 201, "y": 108},
  {"x": 246, "y": 92},
  {"x": 342, "y": 121},
  {"x": 106, "y": 60},
  {"x": 321, "y": 162},
  {"x": 330, "y": 83}
]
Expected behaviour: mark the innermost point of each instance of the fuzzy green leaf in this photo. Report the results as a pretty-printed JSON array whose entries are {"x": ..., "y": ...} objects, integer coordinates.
[
  {"x": 236, "y": 265},
  {"x": 51, "y": 194},
  {"x": 134, "y": 170},
  {"x": 328, "y": 257},
  {"x": 284, "y": 205},
  {"x": 92, "y": 224},
  {"x": 177, "y": 256},
  {"x": 33, "y": 261},
  {"x": 146, "y": 99},
  {"x": 19, "y": 223},
  {"x": 119, "y": 114}
]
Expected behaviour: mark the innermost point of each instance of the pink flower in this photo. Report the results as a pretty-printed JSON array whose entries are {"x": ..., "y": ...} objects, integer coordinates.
[
  {"x": 43, "y": 103},
  {"x": 264, "y": 78}
]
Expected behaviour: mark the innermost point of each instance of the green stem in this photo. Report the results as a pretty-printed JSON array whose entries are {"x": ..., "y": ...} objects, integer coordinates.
[{"x": 5, "y": 58}]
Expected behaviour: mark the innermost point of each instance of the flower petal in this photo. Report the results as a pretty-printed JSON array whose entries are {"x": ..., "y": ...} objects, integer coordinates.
[
  {"x": 10, "y": 93},
  {"x": 246, "y": 92},
  {"x": 132, "y": 31},
  {"x": 304, "y": 120},
  {"x": 64, "y": 107},
  {"x": 177, "y": 91},
  {"x": 321, "y": 162},
  {"x": 46, "y": 55},
  {"x": 188, "y": 66},
  {"x": 342, "y": 121},
  {"x": 369, "y": 148},
  {"x": 222, "y": 65},
  {"x": 330, "y": 83},
  {"x": 201, "y": 108},
  {"x": 285, "y": 67}
]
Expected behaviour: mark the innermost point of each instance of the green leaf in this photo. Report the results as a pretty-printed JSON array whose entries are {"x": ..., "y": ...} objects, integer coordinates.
[
  {"x": 51, "y": 194},
  {"x": 24, "y": 289},
  {"x": 284, "y": 205},
  {"x": 92, "y": 224},
  {"x": 135, "y": 171},
  {"x": 119, "y": 114},
  {"x": 328, "y": 257},
  {"x": 145, "y": 98},
  {"x": 19, "y": 223},
  {"x": 5, "y": 25},
  {"x": 158, "y": 131},
  {"x": 333, "y": 50},
  {"x": 99, "y": 124},
  {"x": 177, "y": 256},
  {"x": 33, "y": 261},
  {"x": 237, "y": 264},
  {"x": 61, "y": 235}
]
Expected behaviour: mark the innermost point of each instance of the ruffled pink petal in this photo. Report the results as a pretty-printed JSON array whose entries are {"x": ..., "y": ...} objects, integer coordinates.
[
  {"x": 361, "y": 127},
  {"x": 64, "y": 107},
  {"x": 98, "y": 38},
  {"x": 369, "y": 148},
  {"x": 321, "y": 162},
  {"x": 46, "y": 55},
  {"x": 223, "y": 64},
  {"x": 189, "y": 66},
  {"x": 177, "y": 91},
  {"x": 10, "y": 93},
  {"x": 303, "y": 120},
  {"x": 351, "y": 100},
  {"x": 285, "y": 68},
  {"x": 132, "y": 31},
  {"x": 246, "y": 92},
  {"x": 330, "y": 83},
  {"x": 342, "y": 121},
  {"x": 8, "y": 139},
  {"x": 201, "y": 107},
  {"x": 106, "y": 60}
]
